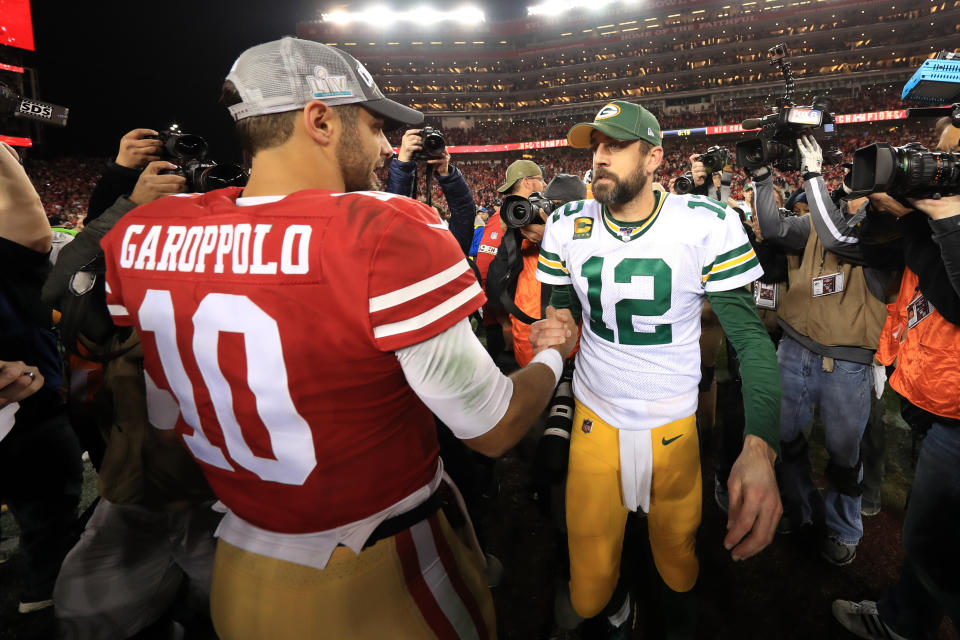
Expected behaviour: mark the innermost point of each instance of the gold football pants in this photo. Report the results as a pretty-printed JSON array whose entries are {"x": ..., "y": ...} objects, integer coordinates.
[
  {"x": 421, "y": 583},
  {"x": 596, "y": 516}
]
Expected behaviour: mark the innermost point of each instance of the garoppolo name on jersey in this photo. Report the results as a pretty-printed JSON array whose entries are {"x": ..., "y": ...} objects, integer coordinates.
[{"x": 225, "y": 248}]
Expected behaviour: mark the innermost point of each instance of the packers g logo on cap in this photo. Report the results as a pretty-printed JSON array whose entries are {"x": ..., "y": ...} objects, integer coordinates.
[{"x": 609, "y": 111}]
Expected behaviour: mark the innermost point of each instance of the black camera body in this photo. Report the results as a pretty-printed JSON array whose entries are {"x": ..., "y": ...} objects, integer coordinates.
[
  {"x": 776, "y": 142},
  {"x": 714, "y": 159},
  {"x": 433, "y": 145},
  {"x": 517, "y": 211},
  {"x": 189, "y": 152},
  {"x": 908, "y": 171}
]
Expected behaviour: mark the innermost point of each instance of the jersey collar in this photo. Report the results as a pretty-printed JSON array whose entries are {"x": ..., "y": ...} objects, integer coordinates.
[{"x": 627, "y": 231}]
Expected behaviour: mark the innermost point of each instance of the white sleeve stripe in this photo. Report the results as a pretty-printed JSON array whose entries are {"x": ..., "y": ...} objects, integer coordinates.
[
  {"x": 107, "y": 286},
  {"x": 427, "y": 317},
  {"x": 117, "y": 310},
  {"x": 417, "y": 289},
  {"x": 832, "y": 228}
]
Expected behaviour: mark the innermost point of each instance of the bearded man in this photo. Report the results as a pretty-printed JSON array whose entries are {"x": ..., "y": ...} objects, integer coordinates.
[{"x": 636, "y": 264}]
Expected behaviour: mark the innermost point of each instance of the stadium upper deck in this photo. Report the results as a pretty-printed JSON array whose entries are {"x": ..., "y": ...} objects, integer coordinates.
[{"x": 690, "y": 51}]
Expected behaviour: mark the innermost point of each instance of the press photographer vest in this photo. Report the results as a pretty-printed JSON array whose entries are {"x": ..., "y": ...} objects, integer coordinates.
[
  {"x": 850, "y": 318},
  {"x": 926, "y": 348}
]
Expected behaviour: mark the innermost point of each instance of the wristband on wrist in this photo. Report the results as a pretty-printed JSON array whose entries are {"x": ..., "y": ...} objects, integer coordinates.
[{"x": 553, "y": 359}]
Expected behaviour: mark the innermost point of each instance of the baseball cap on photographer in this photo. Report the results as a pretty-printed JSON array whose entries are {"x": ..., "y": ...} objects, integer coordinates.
[
  {"x": 519, "y": 170},
  {"x": 621, "y": 121},
  {"x": 286, "y": 74}
]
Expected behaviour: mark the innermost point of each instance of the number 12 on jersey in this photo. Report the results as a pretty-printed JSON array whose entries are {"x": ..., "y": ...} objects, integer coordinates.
[{"x": 625, "y": 309}]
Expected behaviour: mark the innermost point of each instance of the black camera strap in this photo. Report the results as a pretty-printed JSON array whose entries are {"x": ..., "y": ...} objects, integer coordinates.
[{"x": 504, "y": 273}]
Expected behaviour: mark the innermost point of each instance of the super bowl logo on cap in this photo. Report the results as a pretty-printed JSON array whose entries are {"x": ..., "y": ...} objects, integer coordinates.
[
  {"x": 327, "y": 86},
  {"x": 608, "y": 111},
  {"x": 364, "y": 75}
]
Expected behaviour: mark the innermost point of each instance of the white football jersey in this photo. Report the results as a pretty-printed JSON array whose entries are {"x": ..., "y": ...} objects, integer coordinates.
[{"x": 642, "y": 286}]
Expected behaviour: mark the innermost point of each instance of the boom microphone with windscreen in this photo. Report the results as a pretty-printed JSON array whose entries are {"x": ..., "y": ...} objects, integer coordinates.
[{"x": 13, "y": 104}]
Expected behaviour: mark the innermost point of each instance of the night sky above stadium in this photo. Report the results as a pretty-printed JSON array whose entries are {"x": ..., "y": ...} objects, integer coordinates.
[{"x": 147, "y": 64}]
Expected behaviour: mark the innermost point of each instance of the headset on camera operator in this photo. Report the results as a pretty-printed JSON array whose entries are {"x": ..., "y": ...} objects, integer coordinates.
[{"x": 401, "y": 180}]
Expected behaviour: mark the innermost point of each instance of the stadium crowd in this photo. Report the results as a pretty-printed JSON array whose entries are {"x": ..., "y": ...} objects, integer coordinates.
[{"x": 282, "y": 405}]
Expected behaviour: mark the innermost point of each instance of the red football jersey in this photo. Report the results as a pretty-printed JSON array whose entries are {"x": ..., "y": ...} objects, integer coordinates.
[{"x": 274, "y": 326}]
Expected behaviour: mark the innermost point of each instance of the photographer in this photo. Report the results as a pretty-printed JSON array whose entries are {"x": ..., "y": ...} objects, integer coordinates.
[
  {"x": 154, "y": 517},
  {"x": 138, "y": 148},
  {"x": 402, "y": 173},
  {"x": 523, "y": 179},
  {"x": 922, "y": 337},
  {"x": 831, "y": 317},
  {"x": 40, "y": 467}
]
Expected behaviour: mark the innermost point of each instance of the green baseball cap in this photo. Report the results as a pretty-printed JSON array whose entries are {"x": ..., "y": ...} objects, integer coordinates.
[
  {"x": 518, "y": 171},
  {"x": 621, "y": 121}
]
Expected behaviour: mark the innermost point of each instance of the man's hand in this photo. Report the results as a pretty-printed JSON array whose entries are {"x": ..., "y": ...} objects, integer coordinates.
[
  {"x": 698, "y": 170},
  {"x": 151, "y": 185},
  {"x": 410, "y": 142},
  {"x": 755, "y": 505},
  {"x": 884, "y": 202},
  {"x": 441, "y": 165},
  {"x": 557, "y": 330},
  {"x": 811, "y": 156},
  {"x": 938, "y": 209},
  {"x": 18, "y": 381},
  {"x": 136, "y": 150},
  {"x": 754, "y": 223}
]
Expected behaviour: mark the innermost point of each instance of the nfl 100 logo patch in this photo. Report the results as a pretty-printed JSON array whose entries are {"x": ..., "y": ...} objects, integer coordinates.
[{"x": 587, "y": 426}]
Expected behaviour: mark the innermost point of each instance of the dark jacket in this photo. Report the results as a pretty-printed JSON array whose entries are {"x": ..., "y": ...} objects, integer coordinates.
[
  {"x": 463, "y": 208},
  {"x": 116, "y": 181}
]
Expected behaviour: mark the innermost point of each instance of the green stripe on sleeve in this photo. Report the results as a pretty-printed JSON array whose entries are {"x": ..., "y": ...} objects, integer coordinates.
[
  {"x": 734, "y": 271},
  {"x": 550, "y": 256},
  {"x": 733, "y": 253},
  {"x": 551, "y": 271}
]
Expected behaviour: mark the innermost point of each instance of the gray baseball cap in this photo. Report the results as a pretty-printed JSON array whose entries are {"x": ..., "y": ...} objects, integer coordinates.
[{"x": 286, "y": 74}]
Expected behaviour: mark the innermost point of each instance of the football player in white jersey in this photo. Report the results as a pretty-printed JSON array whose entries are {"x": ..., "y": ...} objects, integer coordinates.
[{"x": 636, "y": 265}]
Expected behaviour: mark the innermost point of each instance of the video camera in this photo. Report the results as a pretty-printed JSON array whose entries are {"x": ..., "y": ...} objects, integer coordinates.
[
  {"x": 902, "y": 172},
  {"x": 433, "y": 144},
  {"x": 912, "y": 170},
  {"x": 776, "y": 143},
  {"x": 715, "y": 159},
  {"x": 517, "y": 211},
  {"x": 189, "y": 152}
]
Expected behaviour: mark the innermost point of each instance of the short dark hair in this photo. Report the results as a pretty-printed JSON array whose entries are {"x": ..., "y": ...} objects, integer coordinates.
[{"x": 257, "y": 133}]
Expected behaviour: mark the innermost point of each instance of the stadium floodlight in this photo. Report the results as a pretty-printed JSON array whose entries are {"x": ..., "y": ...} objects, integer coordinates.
[
  {"x": 556, "y": 7},
  {"x": 381, "y": 15}
]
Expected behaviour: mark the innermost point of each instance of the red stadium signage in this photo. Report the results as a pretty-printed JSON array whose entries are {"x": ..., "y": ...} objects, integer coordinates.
[
  {"x": 16, "y": 25},
  {"x": 17, "y": 142},
  {"x": 848, "y": 118},
  {"x": 10, "y": 67}
]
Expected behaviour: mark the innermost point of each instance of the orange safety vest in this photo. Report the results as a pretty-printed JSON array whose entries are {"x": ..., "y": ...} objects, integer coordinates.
[
  {"x": 926, "y": 348},
  {"x": 527, "y": 299}
]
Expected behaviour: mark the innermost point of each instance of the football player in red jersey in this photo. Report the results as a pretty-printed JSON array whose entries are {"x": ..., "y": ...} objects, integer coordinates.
[{"x": 306, "y": 329}]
